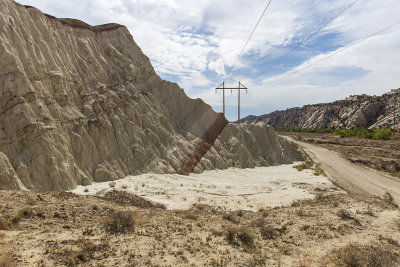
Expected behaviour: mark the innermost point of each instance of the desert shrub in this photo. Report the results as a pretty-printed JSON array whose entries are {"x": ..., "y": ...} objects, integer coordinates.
[
  {"x": 125, "y": 198},
  {"x": 376, "y": 134},
  {"x": 240, "y": 236},
  {"x": 191, "y": 216},
  {"x": 268, "y": 232},
  {"x": 84, "y": 252},
  {"x": 25, "y": 213},
  {"x": 346, "y": 215},
  {"x": 355, "y": 255},
  {"x": 230, "y": 217},
  {"x": 258, "y": 222},
  {"x": 120, "y": 221},
  {"x": 306, "y": 130},
  {"x": 303, "y": 166},
  {"x": 382, "y": 134},
  {"x": 388, "y": 197},
  {"x": 240, "y": 213}
]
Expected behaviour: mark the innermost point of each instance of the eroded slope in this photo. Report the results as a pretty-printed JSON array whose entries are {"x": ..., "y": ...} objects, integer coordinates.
[{"x": 81, "y": 103}]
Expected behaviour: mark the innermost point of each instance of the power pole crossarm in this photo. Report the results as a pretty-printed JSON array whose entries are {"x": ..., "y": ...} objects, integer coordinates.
[{"x": 240, "y": 87}]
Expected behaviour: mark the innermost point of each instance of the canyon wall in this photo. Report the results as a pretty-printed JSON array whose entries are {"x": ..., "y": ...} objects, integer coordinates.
[{"x": 82, "y": 104}]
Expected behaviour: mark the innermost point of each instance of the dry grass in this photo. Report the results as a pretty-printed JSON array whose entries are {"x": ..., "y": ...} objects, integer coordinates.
[
  {"x": 120, "y": 221},
  {"x": 128, "y": 199},
  {"x": 240, "y": 236},
  {"x": 346, "y": 215},
  {"x": 356, "y": 255},
  {"x": 78, "y": 252},
  {"x": 268, "y": 232},
  {"x": 230, "y": 217},
  {"x": 389, "y": 198}
]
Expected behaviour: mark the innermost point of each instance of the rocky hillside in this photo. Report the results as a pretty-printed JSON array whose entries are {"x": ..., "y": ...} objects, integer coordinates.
[
  {"x": 81, "y": 103},
  {"x": 355, "y": 111}
]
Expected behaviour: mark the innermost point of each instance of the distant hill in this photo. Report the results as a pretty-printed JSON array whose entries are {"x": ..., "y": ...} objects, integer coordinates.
[{"x": 353, "y": 112}]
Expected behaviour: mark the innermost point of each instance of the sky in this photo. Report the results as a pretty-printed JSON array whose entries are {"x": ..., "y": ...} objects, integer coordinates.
[{"x": 196, "y": 44}]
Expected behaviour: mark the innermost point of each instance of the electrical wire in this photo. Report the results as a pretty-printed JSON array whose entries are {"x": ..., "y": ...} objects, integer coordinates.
[
  {"x": 251, "y": 34},
  {"x": 341, "y": 50},
  {"x": 313, "y": 34}
]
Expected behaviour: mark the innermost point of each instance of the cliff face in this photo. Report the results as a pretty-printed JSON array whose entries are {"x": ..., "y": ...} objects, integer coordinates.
[
  {"x": 81, "y": 103},
  {"x": 355, "y": 111}
]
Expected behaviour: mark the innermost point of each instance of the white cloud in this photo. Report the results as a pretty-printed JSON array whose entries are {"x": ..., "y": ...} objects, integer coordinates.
[
  {"x": 218, "y": 66},
  {"x": 198, "y": 41}
]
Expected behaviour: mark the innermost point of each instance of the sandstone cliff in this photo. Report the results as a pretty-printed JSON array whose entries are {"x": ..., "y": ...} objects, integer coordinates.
[
  {"x": 81, "y": 103},
  {"x": 353, "y": 112}
]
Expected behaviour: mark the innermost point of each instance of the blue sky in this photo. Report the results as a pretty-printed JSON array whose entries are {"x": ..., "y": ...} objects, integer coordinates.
[{"x": 195, "y": 43}]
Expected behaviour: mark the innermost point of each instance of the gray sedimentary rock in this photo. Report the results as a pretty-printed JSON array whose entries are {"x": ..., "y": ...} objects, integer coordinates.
[
  {"x": 81, "y": 103},
  {"x": 353, "y": 112}
]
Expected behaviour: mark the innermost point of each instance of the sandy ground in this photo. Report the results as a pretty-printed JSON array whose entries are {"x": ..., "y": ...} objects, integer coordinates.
[
  {"x": 231, "y": 189},
  {"x": 65, "y": 229},
  {"x": 352, "y": 177}
]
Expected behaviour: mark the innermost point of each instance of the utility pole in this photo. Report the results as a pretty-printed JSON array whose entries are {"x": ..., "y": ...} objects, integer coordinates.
[
  {"x": 240, "y": 87},
  {"x": 394, "y": 115}
]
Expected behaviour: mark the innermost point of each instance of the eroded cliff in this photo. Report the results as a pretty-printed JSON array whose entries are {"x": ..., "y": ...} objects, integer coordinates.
[
  {"x": 355, "y": 111},
  {"x": 81, "y": 103}
]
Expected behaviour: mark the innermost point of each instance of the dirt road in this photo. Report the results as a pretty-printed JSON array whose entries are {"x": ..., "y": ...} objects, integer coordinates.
[{"x": 352, "y": 177}]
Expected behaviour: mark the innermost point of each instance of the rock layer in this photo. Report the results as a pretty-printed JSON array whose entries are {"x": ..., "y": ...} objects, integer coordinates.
[
  {"x": 82, "y": 104},
  {"x": 353, "y": 112}
]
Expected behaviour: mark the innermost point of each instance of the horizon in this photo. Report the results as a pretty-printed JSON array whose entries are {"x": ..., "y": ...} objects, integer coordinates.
[{"x": 202, "y": 40}]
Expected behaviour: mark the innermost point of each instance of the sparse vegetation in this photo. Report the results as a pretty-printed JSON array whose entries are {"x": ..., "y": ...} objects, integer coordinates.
[
  {"x": 240, "y": 236},
  {"x": 25, "y": 213},
  {"x": 120, "y": 221},
  {"x": 84, "y": 224},
  {"x": 268, "y": 232},
  {"x": 375, "y": 134},
  {"x": 303, "y": 166},
  {"x": 346, "y": 215},
  {"x": 318, "y": 172},
  {"x": 112, "y": 184},
  {"x": 125, "y": 198},
  {"x": 377, "y": 154},
  {"x": 388, "y": 197},
  {"x": 230, "y": 217},
  {"x": 363, "y": 255}
]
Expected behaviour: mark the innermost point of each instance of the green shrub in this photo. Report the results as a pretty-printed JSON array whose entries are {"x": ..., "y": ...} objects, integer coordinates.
[
  {"x": 382, "y": 134},
  {"x": 303, "y": 166},
  {"x": 376, "y": 134}
]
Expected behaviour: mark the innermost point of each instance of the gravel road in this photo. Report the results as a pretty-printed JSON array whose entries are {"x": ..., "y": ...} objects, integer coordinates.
[{"x": 351, "y": 177}]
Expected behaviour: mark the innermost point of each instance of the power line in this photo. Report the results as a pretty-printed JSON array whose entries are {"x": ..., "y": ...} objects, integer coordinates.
[
  {"x": 251, "y": 34},
  {"x": 341, "y": 50},
  {"x": 313, "y": 34}
]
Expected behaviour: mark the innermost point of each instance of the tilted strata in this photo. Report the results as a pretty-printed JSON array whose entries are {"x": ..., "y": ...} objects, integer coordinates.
[
  {"x": 82, "y": 104},
  {"x": 353, "y": 112}
]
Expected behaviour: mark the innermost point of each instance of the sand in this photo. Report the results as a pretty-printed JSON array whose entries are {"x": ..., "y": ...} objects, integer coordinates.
[{"x": 230, "y": 189}]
